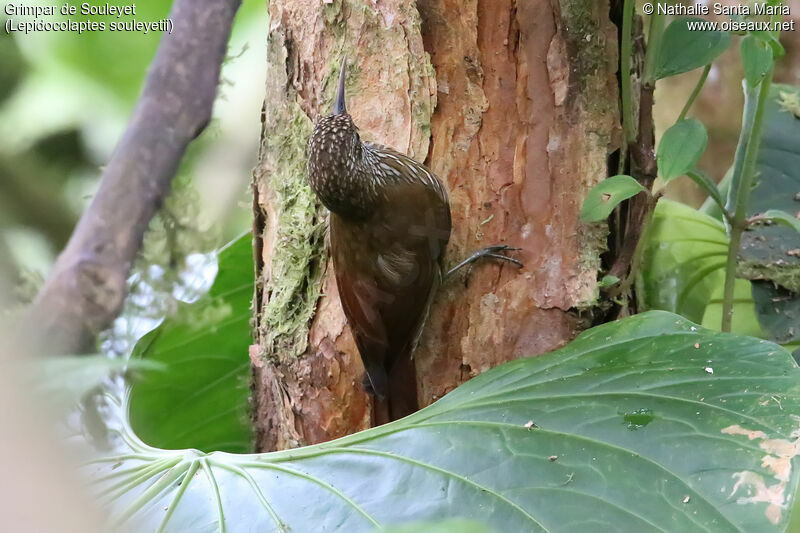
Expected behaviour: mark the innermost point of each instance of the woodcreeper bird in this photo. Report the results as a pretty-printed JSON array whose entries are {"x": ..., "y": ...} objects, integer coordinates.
[{"x": 389, "y": 225}]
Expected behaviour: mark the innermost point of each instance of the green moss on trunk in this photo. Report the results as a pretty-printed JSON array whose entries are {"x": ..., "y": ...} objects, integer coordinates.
[{"x": 297, "y": 256}]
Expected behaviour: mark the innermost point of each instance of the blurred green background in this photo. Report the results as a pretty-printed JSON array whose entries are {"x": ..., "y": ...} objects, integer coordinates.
[{"x": 65, "y": 99}]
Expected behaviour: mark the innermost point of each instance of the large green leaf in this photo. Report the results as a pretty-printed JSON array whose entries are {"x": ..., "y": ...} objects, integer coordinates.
[
  {"x": 647, "y": 424},
  {"x": 684, "y": 269},
  {"x": 744, "y": 313},
  {"x": 447, "y": 526},
  {"x": 201, "y": 401},
  {"x": 684, "y": 260}
]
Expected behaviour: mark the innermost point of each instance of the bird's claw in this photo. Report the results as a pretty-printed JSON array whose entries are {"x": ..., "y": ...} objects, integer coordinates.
[
  {"x": 492, "y": 251},
  {"x": 502, "y": 248},
  {"x": 489, "y": 251},
  {"x": 506, "y": 258}
]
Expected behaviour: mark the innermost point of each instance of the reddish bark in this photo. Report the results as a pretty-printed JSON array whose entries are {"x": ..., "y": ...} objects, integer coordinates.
[
  {"x": 525, "y": 98},
  {"x": 521, "y": 131}
]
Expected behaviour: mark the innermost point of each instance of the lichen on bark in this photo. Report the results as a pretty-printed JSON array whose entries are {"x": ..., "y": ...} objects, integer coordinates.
[{"x": 590, "y": 52}]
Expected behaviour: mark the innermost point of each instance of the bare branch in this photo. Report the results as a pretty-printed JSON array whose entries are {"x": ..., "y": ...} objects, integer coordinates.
[{"x": 87, "y": 287}]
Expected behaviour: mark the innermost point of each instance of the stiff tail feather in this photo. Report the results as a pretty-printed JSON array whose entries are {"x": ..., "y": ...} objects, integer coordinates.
[{"x": 395, "y": 394}]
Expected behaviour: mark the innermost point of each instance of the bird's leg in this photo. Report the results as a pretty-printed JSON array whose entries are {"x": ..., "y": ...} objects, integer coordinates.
[{"x": 489, "y": 251}]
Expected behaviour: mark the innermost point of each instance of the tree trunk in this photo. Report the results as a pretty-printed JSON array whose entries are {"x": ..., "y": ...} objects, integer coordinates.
[{"x": 513, "y": 105}]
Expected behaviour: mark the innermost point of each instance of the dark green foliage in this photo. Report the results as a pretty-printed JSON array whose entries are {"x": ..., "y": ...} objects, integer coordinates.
[{"x": 200, "y": 401}]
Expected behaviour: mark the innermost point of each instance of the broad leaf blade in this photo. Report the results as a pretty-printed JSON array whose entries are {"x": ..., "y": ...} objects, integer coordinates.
[
  {"x": 448, "y": 526},
  {"x": 538, "y": 444},
  {"x": 606, "y": 195},
  {"x": 744, "y": 313},
  {"x": 680, "y": 148},
  {"x": 683, "y": 49},
  {"x": 201, "y": 400},
  {"x": 684, "y": 259},
  {"x": 772, "y": 253},
  {"x": 684, "y": 269}
]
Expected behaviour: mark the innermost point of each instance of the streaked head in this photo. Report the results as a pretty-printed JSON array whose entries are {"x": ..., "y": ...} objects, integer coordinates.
[
  {"x": 335, "y": 141},
  {"x": 334, "y": 152}
]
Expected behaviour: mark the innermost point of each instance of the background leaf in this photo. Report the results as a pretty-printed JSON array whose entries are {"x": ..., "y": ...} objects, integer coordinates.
[
  {"x": 684, "y": 260},
  {"x": 783, "y": 218},
  {"x": 63, "y": 381},
  {"x": 766, "y": 251},
  {"x": 201, "y": 401},
  {"x": 756, "y": 58},
  {"x": 684, "y": 269},
  {"x": 778, "y": 311},
  {"x": 681, "y": 147},
  {"x": 771, "y": 38},
  {"x": 772, "y": 253},
  {"x": 744, "y": 313},
  {"x": 606, "y": 195},
  {"x": 636, "y": 424},
  {"x": 683, "y": 50}
]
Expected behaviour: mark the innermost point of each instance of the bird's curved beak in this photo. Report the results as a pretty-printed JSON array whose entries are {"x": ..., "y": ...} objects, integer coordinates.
[{"x": 338, "y": 105}]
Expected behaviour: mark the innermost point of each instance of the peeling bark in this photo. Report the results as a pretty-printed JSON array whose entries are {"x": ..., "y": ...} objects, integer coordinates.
[
  {"x": 525, "y": 99},
  {"x": 522, "y": 131}
]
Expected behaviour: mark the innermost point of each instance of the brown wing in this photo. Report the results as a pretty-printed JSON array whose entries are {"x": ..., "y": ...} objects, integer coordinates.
[
  {"x": 393, "y": 160},
  {"x": 386, "y": 269}
]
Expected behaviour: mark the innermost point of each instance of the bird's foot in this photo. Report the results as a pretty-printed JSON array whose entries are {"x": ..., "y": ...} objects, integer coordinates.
[{"x": 490, "y": 251}]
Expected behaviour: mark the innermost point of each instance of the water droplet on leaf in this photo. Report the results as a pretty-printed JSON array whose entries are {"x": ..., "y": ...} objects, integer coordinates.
[{"x": 638, "y": 418}]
